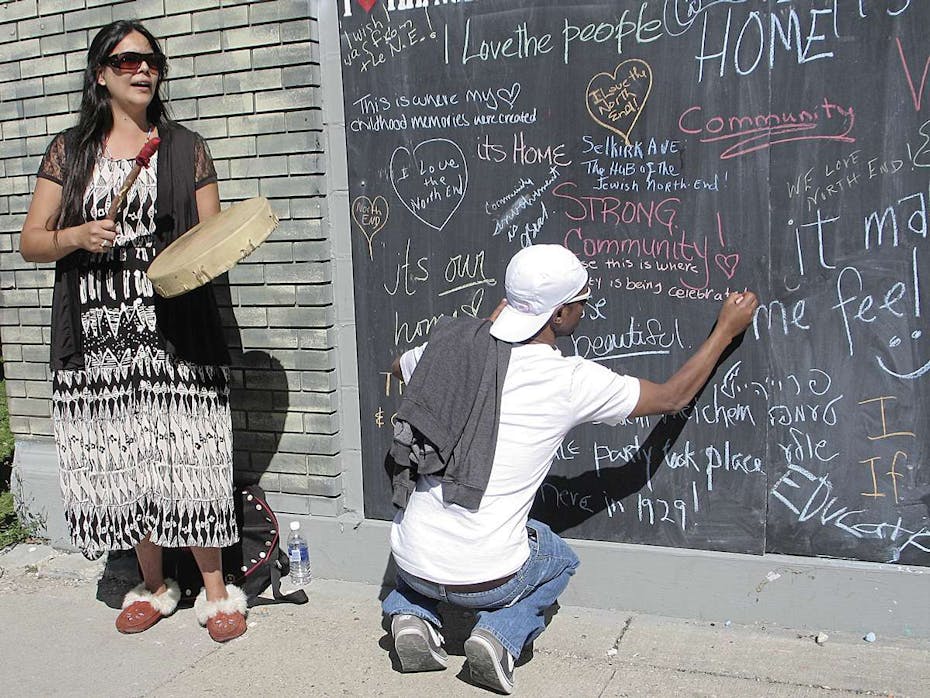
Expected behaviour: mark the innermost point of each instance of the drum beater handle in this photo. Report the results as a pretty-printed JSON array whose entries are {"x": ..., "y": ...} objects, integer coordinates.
[{"x": 142, "y": 160}]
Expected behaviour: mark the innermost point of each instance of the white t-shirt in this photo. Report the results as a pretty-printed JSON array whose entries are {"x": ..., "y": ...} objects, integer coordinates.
[{"x": 544, "y": 395}]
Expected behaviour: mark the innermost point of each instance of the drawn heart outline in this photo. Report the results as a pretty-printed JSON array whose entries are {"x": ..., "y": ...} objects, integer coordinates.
[
  {"x": 360, "y": 205},
  {"x": 509, "y": 96},
  {"x": 603, "y": 86},
  {"x": 727, "y": 263},
  {"x": 403, "y": 152}
]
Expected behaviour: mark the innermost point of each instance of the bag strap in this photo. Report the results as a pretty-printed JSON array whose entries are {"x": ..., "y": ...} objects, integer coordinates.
[{"x": 297, "y": 597}]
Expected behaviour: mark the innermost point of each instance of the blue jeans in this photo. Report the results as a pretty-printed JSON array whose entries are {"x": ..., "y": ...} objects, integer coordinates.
[{"x": 512, "y": 612}]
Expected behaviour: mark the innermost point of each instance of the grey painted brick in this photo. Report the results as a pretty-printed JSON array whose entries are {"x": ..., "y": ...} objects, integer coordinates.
[
  {"x": 324, "y": 465},
  {"x": 220, "y": 19},
  {"x": 88, "y": 19},
  {"x": 239, "y": 189},
  {"x": 252, "y": 81},
  {"x": 320, "y": 423},
  {"x": 316, "y": 339},
  {"x": 9, "y": 316},
  {"x": 197, "y": 87},
  {"x": 16, "y": 388},
  {"x": 175, "y": 6},
  {"x": 256, "y": 441},
  {"x": 28, "y": 407},
  {"x": 251, "y": 36},
  {"x": 246, "y": 317},
  {"x": 276, "y": 422},
  {"x": 19, "y": 425},
  {"x": 299, "y": 229},
  {"x": 316, "y": 294},
  {"x": 45, "y": 106},
  {"x": 290, "y": 503},
  {"x": 290, "y": 143},
  {"x": 39, "y": 391},
  {"x": 14, "y": 185},
  {"x": 11, "y": 110},
  {"x": 274, "y": 12},
  {"x": 293, "y": 186},
  {"x": 225, "y": 62},
  {"x": 239, "y": 419},
  {"x": 295, "y": 463},
  {"x": 40, "y": 278},
  {"x": 258, "y": 379},
  {"x": 210, "y": 128},
  {"x": 141, "y": 9},
  {"x": 311, "y": 251},
  {"x": 309, "y": 317},
  {"x": 193, "y": 44},
  {"x": 49, "y": 6},
  {"x": 272, "y": 252},
  {"x": 181, "y": 67},
  {"x": 35, "y": 316},
  {"x": 319, "y": 381},
  {"x": 64, "y": 43},
  {"x": 9, "y": 72},
  {"x": 295, "y": 31},
  {"x": 226, "y": 105},
  {"x": 304, "y": 120},
  {"x": 19, "y": 9},
  {"x": 245, "y": 274},
  {"x": 289, "y": 54},
  {"x": 269, "y": 339},
  {"x": 41, "y": 426},
  {"x": 69, "y": 82},
  {"x": 18, "y": 298},
  {"x": 163, "y": 27},
  {"x": 311, "y": 484},
  {"x": 259, "y": 167},
  {"x": 44, "y": 65},
  {"x": 76, "y": 60},
  {"x": 306, "y": 443},
  {"x": 256, "y": 124},
  {"x": 279, "y": 100},
  {"x": 12, "y": 353},
  {"x": 7, "y": 31},
  {"x": 43, "y": 26},
  {"x": 296, "y": 76},
  {"x": 313, "y": 402},
  {"x": 243, "y": 146},
  {"x": 60, "y": 123},
  {"x": 250, "y": 400},
  {"x": 298, "y": 273}
]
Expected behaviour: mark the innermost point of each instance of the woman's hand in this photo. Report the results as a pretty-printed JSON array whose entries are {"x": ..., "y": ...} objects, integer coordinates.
[{"x": 93, "y": 236}]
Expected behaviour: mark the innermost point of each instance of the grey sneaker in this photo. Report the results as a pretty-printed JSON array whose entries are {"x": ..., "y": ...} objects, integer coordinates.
[
  {"x": 418, "y": 644},
  {"x": 490, "y": 664}
]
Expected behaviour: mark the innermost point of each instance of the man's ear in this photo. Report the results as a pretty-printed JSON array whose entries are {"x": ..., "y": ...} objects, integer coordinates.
[{"x": 556, "y": 318}]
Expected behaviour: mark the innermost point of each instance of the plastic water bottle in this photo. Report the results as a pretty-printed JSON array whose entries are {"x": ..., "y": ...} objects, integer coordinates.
[{"x": 299, "y": 556}]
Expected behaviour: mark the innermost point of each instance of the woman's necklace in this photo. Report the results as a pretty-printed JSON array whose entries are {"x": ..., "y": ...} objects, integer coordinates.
[{"x": 106, "y": 144}]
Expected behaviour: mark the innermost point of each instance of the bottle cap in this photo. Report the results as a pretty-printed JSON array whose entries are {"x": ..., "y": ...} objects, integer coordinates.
[{"x": 295, "y": 525}]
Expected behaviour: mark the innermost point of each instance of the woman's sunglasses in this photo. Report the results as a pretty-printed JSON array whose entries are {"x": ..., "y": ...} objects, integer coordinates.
[{"x": 130, "y": 61}]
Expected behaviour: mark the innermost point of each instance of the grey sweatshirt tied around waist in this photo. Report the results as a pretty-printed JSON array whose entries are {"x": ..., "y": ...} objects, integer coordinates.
[{"x": 448, "y": 418}]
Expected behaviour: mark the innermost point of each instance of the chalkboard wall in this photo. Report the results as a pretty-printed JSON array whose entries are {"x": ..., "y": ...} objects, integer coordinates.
[{"x": 683, "y": 150}]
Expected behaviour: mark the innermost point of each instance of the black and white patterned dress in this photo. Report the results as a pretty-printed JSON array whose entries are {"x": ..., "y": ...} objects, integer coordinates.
[{"x": 144, "y": 439}]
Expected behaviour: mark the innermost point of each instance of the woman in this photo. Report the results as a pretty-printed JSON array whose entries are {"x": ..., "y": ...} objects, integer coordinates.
[{"x": 140, "y": 393}]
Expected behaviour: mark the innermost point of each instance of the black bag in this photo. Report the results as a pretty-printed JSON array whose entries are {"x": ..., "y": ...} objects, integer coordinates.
[{"x": 253, "y": 564}]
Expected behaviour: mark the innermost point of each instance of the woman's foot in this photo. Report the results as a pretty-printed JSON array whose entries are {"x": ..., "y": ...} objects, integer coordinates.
[
  {"x": 223, "y": 618},
  {"x": 142, "y": 609}
]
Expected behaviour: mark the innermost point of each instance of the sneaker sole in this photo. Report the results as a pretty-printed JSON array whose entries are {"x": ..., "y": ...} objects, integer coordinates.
[
  {"x": 415, "y": 654},
  {"x": 483, "y": 665}
]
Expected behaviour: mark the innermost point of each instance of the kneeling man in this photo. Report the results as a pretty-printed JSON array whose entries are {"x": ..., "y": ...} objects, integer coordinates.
[{"x": 485, "y": 410}]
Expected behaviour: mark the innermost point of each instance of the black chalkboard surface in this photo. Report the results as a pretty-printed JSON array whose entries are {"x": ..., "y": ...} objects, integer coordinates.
[{"x": 682, "y": 149}]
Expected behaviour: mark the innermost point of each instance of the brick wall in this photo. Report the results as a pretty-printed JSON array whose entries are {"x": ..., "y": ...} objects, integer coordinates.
[{"x": 246, "y": 75}]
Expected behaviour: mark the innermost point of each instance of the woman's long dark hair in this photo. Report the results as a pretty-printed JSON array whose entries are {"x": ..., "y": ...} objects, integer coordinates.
[{"x": 96, "y": 117}]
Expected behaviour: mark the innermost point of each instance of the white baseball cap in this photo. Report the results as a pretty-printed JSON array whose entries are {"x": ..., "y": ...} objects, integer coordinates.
[{"x": 539, "y": 279}]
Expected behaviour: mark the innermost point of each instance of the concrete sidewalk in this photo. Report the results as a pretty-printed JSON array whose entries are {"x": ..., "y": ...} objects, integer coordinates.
[{"x": 59, "y": 639}]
